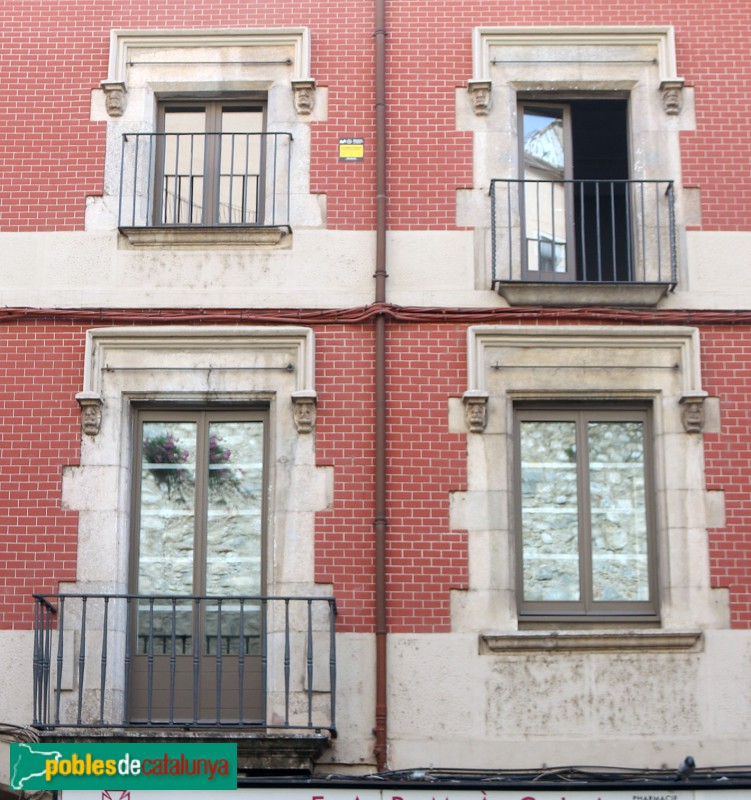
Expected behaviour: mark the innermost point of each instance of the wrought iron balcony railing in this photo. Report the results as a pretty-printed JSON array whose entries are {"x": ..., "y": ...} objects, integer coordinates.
[
  {"x": 120, "y": 660},
  {"x": 205, "y": 180},
  {"x": 586, "y": 231}
]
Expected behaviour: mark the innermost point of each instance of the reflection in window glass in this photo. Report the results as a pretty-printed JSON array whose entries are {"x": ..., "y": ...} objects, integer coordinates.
[
  {"x": 550, "y": 521},
  {"x": 583, "y": 512},
  {"x": 200, "y": 528},
  {"x": 545, "y": 205},
  {"x": 618, "y": 508}
]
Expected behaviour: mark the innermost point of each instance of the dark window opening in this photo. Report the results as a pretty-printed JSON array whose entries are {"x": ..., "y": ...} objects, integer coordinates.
[{"x": 578, "y": 209}]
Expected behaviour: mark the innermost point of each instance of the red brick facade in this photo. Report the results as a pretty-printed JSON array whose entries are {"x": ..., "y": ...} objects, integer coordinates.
[
  {"x": 56, "y": 54},
  {"x": 52, "y": 155},
  {"x": 727, "y": 374},
  {"x": 42, "y": 371}
]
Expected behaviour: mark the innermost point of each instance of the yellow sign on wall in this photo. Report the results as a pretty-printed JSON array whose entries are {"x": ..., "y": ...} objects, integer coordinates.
[{"x": 351, "y": 149}]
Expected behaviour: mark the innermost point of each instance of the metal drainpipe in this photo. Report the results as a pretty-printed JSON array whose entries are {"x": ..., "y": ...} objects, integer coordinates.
[{"x": 380, "y": 519}]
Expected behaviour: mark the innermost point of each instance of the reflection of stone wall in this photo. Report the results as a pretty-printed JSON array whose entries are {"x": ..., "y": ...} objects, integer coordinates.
[
  {"x": 617, "y": 505},
  {"x": 233, "y": 535},
  {"x": 238, "y": 629}
]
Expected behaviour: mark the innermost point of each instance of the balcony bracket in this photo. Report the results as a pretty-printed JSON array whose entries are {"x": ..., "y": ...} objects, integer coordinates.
[
  {"x": 258, "y": 749},
  {"x": 579, "y": 293}
]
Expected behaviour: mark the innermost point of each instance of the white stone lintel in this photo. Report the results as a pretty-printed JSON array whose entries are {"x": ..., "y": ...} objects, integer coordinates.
[
  {"x": 660, "y": 37},
  {"x": 213, "y": 347},
  {"x": 126, "y": 44}
]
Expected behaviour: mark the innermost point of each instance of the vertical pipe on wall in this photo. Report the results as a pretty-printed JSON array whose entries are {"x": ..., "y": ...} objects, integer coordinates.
[{"x": 380, "y": 519}]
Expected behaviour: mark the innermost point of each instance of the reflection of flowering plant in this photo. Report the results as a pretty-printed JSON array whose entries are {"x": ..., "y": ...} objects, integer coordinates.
[
  {"x": 218, "y": 455},
  {"x": 165, "y": 449}
]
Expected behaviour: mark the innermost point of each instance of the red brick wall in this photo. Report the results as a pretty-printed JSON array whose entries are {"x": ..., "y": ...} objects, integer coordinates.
[
  {"x": 726, "y": 373},
  {"x": 42, "y": 368},
  {"x": 425, "y": 463},
  {"x": 54, "y": 53},
  {"x": 345, "y": 552},
  {"x": 42, "y": 364}
]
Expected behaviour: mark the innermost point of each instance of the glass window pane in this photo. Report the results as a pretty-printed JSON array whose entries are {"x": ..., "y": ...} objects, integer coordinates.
[
  {"x": 166, "y": 530},
  {"x": 543, "y": 141},
  {"x": 234, "y": 530},
  {"x": 620, "y": 563},
  {"x": 549, "y": 511},
  {"x": 545, "y": 213},
  {"x": 240, "y": 164},
  {"x": 184, "y": 166}
]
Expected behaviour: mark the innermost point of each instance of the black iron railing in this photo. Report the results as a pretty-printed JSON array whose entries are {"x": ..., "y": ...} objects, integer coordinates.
[
  {"x": 205, "y": 179},
  {"x": 593, "y": 231},
  {"x": 122, "y": 660}
]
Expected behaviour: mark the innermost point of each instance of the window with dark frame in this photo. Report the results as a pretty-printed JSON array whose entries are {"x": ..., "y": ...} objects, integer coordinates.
[
  {"x": 209, "y": 163},
  {"x": 584, "y": 511},
  {"x": 197, "y": 563}
]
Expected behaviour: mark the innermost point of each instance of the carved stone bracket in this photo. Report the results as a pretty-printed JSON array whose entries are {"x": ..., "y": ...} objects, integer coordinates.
[
  {"x": 91, "y": 412},
  {"x": 305, "y": 95},
  {"x": 480, "y": 93},
  {"x": 115, "y": 97},
  {"x": 692, "y": 411},
  {"x": 475, "y": 410},
  {"x": 672, "y": 96},
  {"x": 304, "y": 410}
]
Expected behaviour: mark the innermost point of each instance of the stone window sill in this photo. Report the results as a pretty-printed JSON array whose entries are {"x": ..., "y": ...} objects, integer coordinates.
[
  {"x": 590, "y": 641},
  {"x": 193, "y": 238}
]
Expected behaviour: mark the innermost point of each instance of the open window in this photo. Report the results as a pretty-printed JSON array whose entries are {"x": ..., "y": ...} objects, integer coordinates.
[
  {"x": 577, "y": 145},
  {"x": 578, "y": 206}
]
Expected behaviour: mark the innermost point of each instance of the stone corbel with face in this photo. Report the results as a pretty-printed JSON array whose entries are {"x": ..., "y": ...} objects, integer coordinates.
[
  {"x": 304, "y": 410},
  {"x": 475, "y": 410},
  {"x": 90, "y": 404},
  {"x": 481, "y": 96},
  {"x": 305, "y": 95},
  {"x": 672, "y": 97},
  {"x": 692, "y": 411},
  {"x": 115, "y": 97}
]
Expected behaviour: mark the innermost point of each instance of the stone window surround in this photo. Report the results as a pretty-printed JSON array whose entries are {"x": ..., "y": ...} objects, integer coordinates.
[
  {"x": 660, "y": 364},
  {"x": 274, "y": 61},
  {"x": 600, "y": 64},
  {"x": 209, "y": 367}
]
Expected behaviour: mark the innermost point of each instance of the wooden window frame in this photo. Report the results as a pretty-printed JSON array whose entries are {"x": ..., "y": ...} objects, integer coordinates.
[
  {"x": 188, "y": 414},
  {"x": 180, "y": 682},
  {"x": 586, "y": 609},
  {"x": 213, "y": 108}
]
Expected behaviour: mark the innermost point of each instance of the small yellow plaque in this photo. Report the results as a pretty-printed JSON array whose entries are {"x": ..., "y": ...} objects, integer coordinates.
[{"x": 351, "y": 149}]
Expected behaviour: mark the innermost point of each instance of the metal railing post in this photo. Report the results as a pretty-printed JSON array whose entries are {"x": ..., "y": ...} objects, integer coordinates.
[
  {"x": 310, "y": 663},
  {"x": 103, "y": 673}
]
